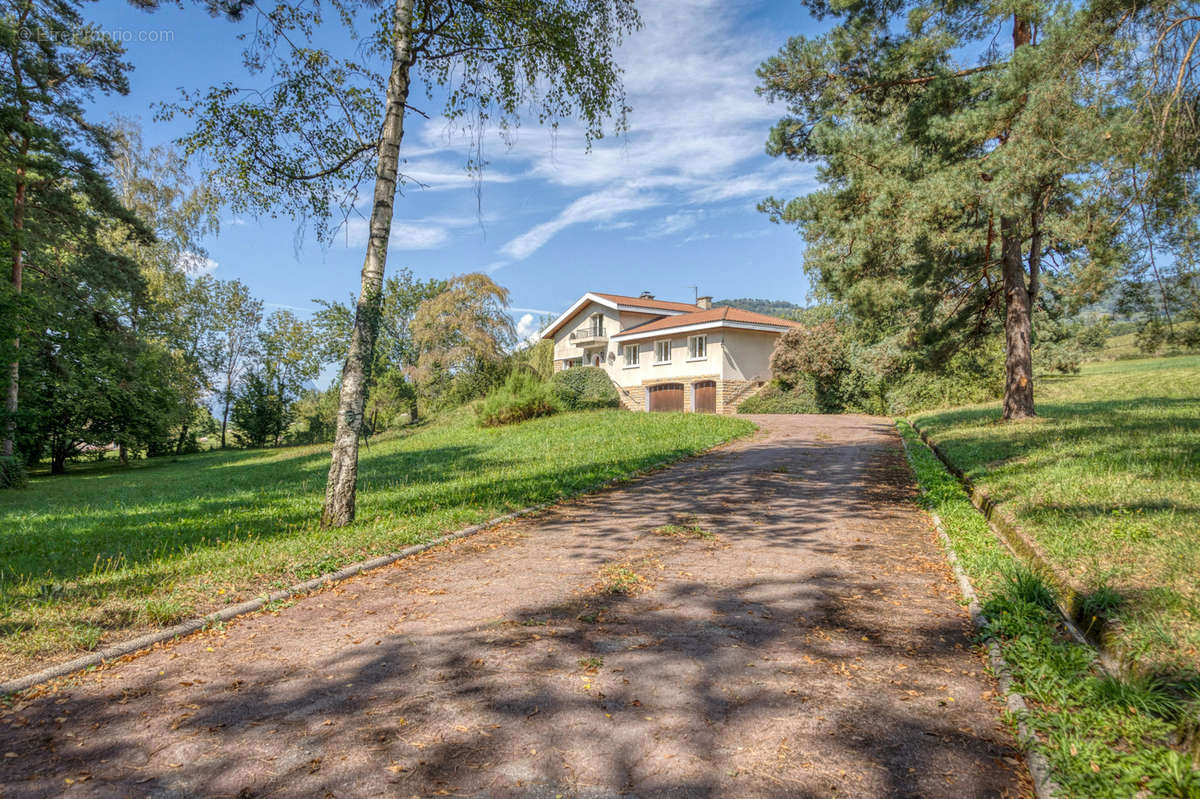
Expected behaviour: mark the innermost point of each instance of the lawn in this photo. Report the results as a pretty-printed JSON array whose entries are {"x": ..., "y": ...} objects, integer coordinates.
[
  {"x": 1107, "y": 483},
  {"x": 92, "y": 557},
  {"x": 1104, "y": 737}
]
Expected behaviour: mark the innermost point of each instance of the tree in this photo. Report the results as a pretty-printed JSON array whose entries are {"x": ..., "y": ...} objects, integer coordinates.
[
  {"x": 306, "y": 143},
  {"x": 289, "y": 358},
  {"x": 154, "y": 185},
  {"x": 957, "y": 173},
  {"x": 462, "y": 333},
  {"x": 53, "y": 67},
  {"x": 236, "y": 319},
  {"x": 395, "y": 354},
  {"x": 260, "y": 414}
]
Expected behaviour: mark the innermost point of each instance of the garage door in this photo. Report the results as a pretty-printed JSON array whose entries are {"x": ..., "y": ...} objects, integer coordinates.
[
  {"x": 706, "y": 396},
  {"x": 666, "y": 397}
]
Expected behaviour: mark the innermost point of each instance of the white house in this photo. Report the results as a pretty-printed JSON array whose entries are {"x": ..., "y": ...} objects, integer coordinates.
[{"x": 668, "y": 356}]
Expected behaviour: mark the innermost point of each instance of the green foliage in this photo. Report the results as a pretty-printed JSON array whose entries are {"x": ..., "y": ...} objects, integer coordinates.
[
  {"x": 314, "y": 417},
  {"x": 773, "y": 398},
  {"x": 244, "y": 520},
  {"x": 781, "y": 308},
  {"x": 260, "y": 414},
  {"x": 584, "y": 388},
  {"x": 462, "y": 336},
  {"x": 934, "y": 129},
  {"x": 522, "y": 397},
  {"x": 12, "y": 472}
]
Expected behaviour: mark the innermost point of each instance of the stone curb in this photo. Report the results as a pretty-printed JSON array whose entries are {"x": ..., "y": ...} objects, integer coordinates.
[
  {"x": 1070, "y": 606},
  {"x": 1039, "y": 768},
  {"x": 249, "y": 606}
]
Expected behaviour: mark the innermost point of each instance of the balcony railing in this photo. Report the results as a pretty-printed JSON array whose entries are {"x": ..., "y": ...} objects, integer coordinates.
[{"x": 589, "y": 336}]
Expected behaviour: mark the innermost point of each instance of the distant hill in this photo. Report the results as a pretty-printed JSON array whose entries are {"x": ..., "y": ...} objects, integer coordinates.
[{"x": 769, "y": 307}]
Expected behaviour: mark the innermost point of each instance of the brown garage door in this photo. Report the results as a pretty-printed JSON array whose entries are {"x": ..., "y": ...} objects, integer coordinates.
[
  {"x": 706, "y": 396},
  {"x": 666, "y": 397}
]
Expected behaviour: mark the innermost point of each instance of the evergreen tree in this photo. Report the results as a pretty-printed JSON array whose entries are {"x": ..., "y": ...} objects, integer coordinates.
[{"x": 958, "y": 168}]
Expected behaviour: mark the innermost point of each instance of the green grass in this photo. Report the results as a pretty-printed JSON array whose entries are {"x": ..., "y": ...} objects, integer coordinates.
[
  {"x": 1107, "y": 483},
  {"x": 87, "y": 558},
  {"x": 1102, "y": 736}
]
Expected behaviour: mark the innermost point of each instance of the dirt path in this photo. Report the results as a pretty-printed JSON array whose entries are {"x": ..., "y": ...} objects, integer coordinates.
[{"x": 813, "y": 646}]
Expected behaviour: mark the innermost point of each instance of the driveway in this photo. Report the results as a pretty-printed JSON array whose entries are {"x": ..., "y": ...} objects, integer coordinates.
[{"x": 772, "y": 619}]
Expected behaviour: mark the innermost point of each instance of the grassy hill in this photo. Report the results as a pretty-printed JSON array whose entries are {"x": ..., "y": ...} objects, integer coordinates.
[
  {"x": 1107, "y": 483},
  {"x": 90, "y": 557}
]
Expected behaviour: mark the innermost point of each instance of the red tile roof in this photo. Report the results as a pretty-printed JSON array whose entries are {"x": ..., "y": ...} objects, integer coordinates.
[
  {"x": 723, "y": 313},
  {"x": 641, "y": 302}
]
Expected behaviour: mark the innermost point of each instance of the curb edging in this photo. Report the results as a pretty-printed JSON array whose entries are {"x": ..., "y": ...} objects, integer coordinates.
[
  {"x": 1070, "y": 605},
  {"x": 250, "y": 606},
  {"x": 1039, "y": 768},
  {"x": 148, "y": 640}
]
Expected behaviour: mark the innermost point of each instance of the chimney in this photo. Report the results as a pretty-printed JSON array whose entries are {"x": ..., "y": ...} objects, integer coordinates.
[
  {"x": 645, "y": 295},
  {"x": 704, "y": 303}
]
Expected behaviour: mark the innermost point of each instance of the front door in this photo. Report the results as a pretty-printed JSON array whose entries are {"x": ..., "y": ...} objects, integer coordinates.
[
  {"x": 597, "y": 360},
  {"x": 666, "y": 397},
  {"x": 705, "y": 396}
]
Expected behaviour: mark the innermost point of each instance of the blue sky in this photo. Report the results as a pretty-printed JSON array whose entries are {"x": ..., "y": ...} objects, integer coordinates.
[{"x": 669, "y": 205}]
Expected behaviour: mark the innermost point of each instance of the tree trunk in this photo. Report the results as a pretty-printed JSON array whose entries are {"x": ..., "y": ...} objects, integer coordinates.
[
  {"x": 182, "y": 439},
  {"x": 12, "y": 400},
  {"x": 58, "y": 463},
  {"x": 123, "y": 454},
  {"x": 225, "y": 420},
  {"x": 1018, "y": 307},
  {"x": 343, "y": 468},
  {"x": 1018, "y": 325}
]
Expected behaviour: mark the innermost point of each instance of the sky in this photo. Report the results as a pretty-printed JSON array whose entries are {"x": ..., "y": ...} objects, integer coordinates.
[{"x": 668, "y": 207}]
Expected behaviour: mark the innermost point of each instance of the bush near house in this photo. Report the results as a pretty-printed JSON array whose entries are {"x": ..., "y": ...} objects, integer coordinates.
[
  {"x": 776, "y": 399},
  {"x": 584, "y": 388},
  {"x": 523, "y": 396}
]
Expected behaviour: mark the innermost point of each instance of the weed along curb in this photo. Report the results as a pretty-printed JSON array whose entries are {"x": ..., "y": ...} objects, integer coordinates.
[
  {"x": 1039, "y": 769},
  {"x": 1071, "y": 604},
  {"x": 250, "y": 606}
]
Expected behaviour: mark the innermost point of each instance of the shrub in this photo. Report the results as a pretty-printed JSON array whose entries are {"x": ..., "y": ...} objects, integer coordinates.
[
  {"x": 523, "y": 396},
  {"x": 584, "y": 388},
  {"x": 12, "y": 472},
  {"x": 776, "y": 399}
]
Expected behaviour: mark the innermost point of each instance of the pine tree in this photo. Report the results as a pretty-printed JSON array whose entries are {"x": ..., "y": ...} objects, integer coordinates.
[{"x": 958, "y": 167}]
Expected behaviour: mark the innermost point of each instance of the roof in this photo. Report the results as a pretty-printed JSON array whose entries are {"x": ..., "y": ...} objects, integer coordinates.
[
  {"x": 619, "y": 302},
  {"x": 642, "y": 302},
  {"x": 722, "y": 316}
]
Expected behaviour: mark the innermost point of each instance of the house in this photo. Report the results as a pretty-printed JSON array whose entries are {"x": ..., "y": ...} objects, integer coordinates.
[{"x": 668, "y": 356}]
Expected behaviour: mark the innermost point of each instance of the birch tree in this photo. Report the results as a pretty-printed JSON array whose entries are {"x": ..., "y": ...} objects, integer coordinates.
[{"x": 304, "y": 145}]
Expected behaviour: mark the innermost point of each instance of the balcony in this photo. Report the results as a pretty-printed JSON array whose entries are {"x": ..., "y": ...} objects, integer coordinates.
[{"x": 593, "y": 336}]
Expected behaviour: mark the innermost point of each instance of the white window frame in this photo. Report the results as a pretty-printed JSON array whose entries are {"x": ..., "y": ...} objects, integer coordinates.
[
  {"x": 637, "y": 356},
  {"x": 658, "y": 362},
  {"x": 703, "y": 339}
]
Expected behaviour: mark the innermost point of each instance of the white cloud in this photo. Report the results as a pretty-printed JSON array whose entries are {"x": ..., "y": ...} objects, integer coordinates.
[
  {"x": 599, "y": 206},
  {"x": 527, "y": 329},
  {"x": 404, "y": 236},
  {"x": 196, "y": 264},
  {"x": 237, "y": 221}
]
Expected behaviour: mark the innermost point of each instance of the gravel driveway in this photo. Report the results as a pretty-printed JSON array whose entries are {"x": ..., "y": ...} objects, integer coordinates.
[{"x": 772, "y": 619}]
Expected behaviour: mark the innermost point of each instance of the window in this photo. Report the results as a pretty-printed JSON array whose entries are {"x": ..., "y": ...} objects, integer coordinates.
[
  {"x": 662, "y": 352},
  {"x": 570, "y": 362},
  {"x": 631, "y": 355},
  {"x": 596, "y": 327},
  {"x": 697, "y": 347}
]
